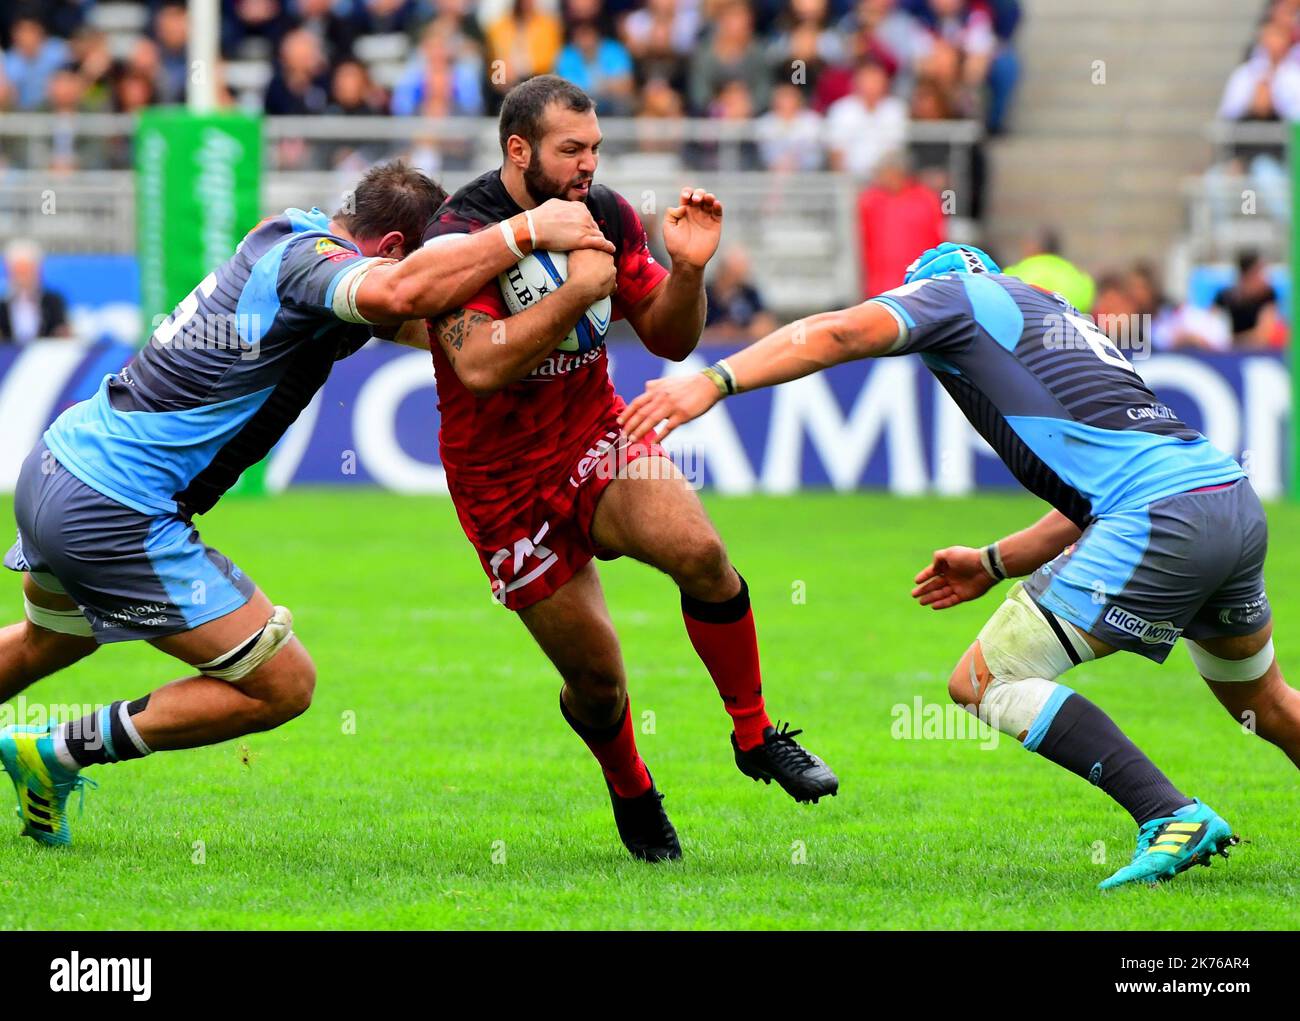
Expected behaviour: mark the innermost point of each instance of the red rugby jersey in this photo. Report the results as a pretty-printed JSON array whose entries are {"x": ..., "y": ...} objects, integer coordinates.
[{"x": 531, "y": 426}]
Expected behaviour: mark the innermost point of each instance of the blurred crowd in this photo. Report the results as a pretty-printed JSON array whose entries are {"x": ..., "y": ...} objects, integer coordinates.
[
  {"x": 831, "y": 83},
  {"x": 1264, "y": 87},
  {"x": 1131, "y": 307}
]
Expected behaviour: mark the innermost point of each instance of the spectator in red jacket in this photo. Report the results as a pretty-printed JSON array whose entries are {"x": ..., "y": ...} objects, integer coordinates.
[{"x": 897, "y": 217}]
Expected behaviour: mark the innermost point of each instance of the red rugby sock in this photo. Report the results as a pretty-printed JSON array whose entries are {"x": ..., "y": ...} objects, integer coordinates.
[
  {"x": 615, "y": 749},
  {"x": 724, "y": 638}
]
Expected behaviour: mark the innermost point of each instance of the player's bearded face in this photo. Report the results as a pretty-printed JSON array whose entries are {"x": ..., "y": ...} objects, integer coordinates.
[
  {"x": 542, "y": 186},
  {"x": 563, "y": 163}
]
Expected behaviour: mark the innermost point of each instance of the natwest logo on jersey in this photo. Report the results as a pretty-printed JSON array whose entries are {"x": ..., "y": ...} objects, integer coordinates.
[{"x": 560, "y": 364}]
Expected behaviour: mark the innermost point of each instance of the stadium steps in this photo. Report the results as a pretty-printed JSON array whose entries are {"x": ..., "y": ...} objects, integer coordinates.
[{"x": 1104, "y": 163}]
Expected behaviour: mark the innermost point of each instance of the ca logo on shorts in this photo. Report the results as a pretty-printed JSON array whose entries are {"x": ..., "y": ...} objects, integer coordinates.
[{"x": 524, "y": 549}]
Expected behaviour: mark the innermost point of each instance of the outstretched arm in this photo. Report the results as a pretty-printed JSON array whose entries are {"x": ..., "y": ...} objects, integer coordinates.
[
  {"x": 959, "y": 574},
  {"x": 799, "y": 349}
]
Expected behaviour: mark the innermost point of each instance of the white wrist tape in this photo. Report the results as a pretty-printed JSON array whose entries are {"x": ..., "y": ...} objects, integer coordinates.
[
  {"x": 1212, "y": 668},
  {"x": 508, "y": 234},
  {"x": 532, "y": 234},
  {"x": 991, "y": 561}
]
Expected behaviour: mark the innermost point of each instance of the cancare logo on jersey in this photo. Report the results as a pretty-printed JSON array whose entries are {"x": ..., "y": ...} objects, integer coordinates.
[
  {"x": 1151, "y": 412},
  {"x": 1160, "y": 633}
]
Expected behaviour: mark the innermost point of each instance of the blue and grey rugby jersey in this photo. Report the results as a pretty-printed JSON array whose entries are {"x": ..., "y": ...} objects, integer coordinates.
[
  {"x": 1052, "y": 395},
  {"x": 224, "y": 376}
]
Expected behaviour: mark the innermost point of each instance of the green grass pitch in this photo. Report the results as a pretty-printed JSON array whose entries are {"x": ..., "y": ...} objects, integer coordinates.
[{"x": 433, "y": 783}]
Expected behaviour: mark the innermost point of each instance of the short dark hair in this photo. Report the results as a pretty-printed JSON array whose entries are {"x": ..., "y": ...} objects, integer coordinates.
[
  {"x": 392, "y": 196},
  {"x": 525, "y": 104}
]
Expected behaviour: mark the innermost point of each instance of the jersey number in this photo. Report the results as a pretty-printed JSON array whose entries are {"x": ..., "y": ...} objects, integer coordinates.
[
  {"x": 1100, "y": 343},
  {"x": 185, "y": 311}
]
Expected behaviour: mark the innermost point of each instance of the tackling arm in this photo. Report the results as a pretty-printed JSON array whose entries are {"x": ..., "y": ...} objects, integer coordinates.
[
  {"x": 446, "y": 274},
  {"x": 429, "y": 281},
  {"x": 412, "y": 333},
  {"x": 799, "y": 349}
]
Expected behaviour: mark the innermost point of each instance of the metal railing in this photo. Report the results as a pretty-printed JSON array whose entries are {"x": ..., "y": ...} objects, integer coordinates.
[
  {"x": 799, "y": 228},
  {"x": 38, "y": 143},
  {"x": 1243, "y": 199},
  {"x": 1227, "y": 137}
]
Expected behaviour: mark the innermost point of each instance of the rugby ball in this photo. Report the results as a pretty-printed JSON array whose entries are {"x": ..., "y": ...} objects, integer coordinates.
[{"x": 541, "y": 273}]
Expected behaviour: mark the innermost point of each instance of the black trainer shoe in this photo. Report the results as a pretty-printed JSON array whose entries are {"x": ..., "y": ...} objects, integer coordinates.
[
  {"x": 643, "y": 825},
  {"x": 804, "y": 776}
]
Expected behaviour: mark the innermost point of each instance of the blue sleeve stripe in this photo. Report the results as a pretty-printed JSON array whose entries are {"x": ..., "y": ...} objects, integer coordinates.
[
  {"x": 903, "y": 332},
  {"x": 891, "y": 304},
  {"x": 348, "y": 266}
]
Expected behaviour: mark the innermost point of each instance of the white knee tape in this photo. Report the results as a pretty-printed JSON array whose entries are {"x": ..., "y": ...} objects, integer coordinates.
[
  {"x": 63, "y": 622},
  {"x": 1024, "y": 655},
  {"x": 1212, "y": 668},
  {"x": 253, "y": 651},
  {"x": 1012, "y": 706},
  {"x": 1019, "y": 642}
]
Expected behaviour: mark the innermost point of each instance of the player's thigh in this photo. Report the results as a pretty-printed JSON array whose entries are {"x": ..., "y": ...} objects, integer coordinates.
[
  {"x": 1241, "y": 670},
  {"x": 573, "y": 627},
  {"x": 1235, "y": 648},
  {"x": 252, "y": 647},
  {"x": 1231, "y": 636},
  {"x": 651, "y": 512},
  {"x": 134, "y": 575},
  {"x": 52, "y": 646},
  {"x": 216, "y": 638}
]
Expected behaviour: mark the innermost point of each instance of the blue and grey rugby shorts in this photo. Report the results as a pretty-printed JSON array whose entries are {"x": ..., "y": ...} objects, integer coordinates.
[
  {"x": 133, "y": 575},
  {"x": 1191, "y": 565}
]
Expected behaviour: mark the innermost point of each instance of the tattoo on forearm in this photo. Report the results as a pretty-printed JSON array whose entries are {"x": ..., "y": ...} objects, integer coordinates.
[{"x": 456, "y": 326}]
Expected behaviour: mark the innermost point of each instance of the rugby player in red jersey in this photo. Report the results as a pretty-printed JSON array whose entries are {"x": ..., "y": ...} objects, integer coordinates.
[{"x": 543, "y": 481}]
